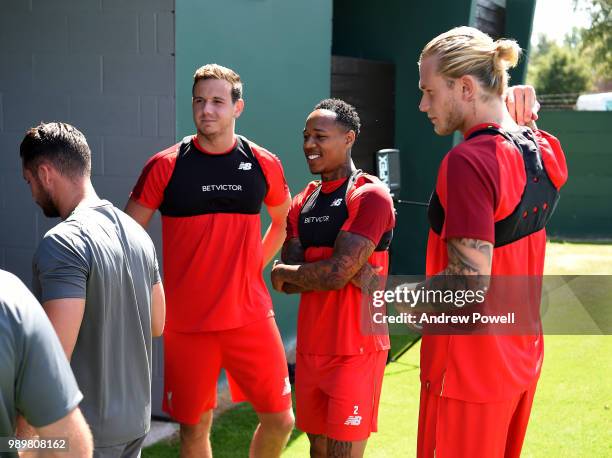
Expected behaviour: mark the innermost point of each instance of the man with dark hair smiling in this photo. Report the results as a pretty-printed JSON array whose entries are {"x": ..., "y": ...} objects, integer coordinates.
[
  {"x": 335, "y": 227},
  {"x": 96, "y": 276}
]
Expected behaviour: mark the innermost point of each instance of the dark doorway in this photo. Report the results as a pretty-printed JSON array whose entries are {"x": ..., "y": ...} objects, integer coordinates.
[
  {"x": 491, "y": 17},
  {"x": 368, "y": 85}
]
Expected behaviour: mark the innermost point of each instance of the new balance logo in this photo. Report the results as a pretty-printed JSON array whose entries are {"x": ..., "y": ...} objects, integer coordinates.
[
  {"x": 287, "y": 387},
  {"x": 353, "y": 420},
  {"x": 336, "y": 203},
  {"x": 245, "y": 166}
]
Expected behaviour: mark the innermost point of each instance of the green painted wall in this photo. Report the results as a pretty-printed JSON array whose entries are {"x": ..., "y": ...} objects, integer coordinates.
[
  {"x": 281, "y": 49},
  {"x": 585, "y": 207},
  {"x": 397, "y": 31}
]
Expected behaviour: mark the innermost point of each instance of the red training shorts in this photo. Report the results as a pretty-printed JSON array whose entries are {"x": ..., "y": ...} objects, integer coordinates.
[
  {"x": 253, "y": 357},
  {"x": 337, "y": 396},
  {"x": 451, "y": 428}
]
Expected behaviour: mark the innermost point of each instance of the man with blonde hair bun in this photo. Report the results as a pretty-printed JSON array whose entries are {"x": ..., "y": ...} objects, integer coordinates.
[{"x": 494, "y": 193}]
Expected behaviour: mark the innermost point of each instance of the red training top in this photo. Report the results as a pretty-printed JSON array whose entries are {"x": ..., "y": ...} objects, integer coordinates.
[
  {"x": 481, "y": 181},
  {"x": 329, "y": 321},
  {"x": 211, "y": 229}
]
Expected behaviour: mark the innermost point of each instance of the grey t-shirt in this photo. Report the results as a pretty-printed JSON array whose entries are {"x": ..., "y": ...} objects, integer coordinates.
[
  {"x": 35, "y": 377},
  {"x": 102, "y": 255}
]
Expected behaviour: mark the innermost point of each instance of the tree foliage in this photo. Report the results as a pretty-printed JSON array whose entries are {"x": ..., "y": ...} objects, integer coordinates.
[
  {"x": 584, "y": 58},
  {"x": 559, "y": 69},
  {"x": 597, "y": 39}
]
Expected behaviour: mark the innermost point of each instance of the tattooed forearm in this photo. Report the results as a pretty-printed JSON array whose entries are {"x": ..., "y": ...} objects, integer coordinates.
[
  {"x": 290, "y": 288},
  {"x": 339, "y": 449},
  {"x": 292, "y": 252},
  {"x": 469, "y": 257},
  {"x": 367, "y": 278},
  {"x": 351, "y": 252},
  {"x": 469, "y": 267}
]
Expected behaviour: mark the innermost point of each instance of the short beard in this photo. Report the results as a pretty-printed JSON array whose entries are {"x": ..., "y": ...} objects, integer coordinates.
[
  {"x": 45, "y": 202},
  {"x": 454, "y": 119},
  {"x": 50, "y": 210}
]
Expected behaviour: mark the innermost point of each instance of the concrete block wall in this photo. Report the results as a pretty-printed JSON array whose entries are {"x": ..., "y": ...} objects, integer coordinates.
[{"x": 106, "y": 66}]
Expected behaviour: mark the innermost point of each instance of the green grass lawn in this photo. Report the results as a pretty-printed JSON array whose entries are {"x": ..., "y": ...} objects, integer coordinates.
[{"x": 571, "y": 416}]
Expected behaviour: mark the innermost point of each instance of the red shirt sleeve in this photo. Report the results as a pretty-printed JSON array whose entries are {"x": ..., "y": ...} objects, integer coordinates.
[
  {"x": 150, "y": 187},
  {"x": 472, "y": 182},
  {"x": 292, "y": 217},
  {"x": 371, "y": 212},
  {"x": 278, "y": 190},
  {"x": 553, "y": 157}
]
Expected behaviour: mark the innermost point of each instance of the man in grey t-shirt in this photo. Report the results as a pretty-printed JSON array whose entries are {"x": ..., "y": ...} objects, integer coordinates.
[
  {"x": 31, "y": 358},
  {"x": 97, "y": 278}
]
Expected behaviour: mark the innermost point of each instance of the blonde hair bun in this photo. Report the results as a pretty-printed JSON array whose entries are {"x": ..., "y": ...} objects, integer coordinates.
[{"x": 507, "y": 52}]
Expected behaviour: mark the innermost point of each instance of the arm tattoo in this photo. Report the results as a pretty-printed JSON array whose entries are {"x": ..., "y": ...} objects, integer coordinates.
[
  {"x": 469, "y": 267},
  {"x": 351, "y": 252},
  {"x": 469, "y": 257},
  {"x": 290, "y": 288},
  {"x": 338, "y": 449},
  {"x": 293, "y": 252}
]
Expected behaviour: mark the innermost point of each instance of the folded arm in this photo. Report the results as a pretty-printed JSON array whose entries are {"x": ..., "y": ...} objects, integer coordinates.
[
  {"x": 293, "y": 254},
  {"x": 351, "y": 252}
]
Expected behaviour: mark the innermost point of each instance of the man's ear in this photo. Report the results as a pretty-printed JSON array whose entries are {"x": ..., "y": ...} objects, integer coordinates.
[
  {"x": 45, "y": 173},
  {"x": 349, "y": 138},
  {"x": 468, "y": 88},
  {"x": 238, "y": 107}
]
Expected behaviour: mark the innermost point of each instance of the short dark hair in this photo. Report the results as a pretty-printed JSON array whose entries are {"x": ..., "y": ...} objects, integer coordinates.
[
  {"x": 346, "y": 114},
  {"x": 63, "y": 145}
]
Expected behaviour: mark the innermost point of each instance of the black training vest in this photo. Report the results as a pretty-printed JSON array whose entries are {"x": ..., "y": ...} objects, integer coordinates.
[
  {"x": 537, "y": 204},
  {"x": 214, "y": 183},
  {"x": 323, "y": 215}
]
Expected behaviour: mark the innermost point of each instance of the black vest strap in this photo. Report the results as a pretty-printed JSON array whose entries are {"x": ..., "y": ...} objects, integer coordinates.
[
  {"x": 348, "y": 184},
  {"x": 537, "y": 204},
  {"x": 336, "y": 212}
]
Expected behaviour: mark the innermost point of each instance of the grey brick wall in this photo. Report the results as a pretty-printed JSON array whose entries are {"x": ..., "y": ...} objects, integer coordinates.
[{"x": 106, "y": 66}]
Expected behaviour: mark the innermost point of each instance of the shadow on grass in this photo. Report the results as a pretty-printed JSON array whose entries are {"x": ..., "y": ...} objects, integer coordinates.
[{"x": 230, "y": 436}]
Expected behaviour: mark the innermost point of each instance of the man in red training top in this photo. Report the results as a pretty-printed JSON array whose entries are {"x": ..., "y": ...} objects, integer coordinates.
[
  {"x": 335, "y": 227},
  {"x": 487, "y": 217},
  {"x": 209, "y": 189}
]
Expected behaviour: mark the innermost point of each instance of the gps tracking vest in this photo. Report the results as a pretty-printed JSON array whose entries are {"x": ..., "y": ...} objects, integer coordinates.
[
  {"x": 323, "y": 215},
  {"x": 537, "y": 203},
  {"x": 214, "y": 183}
]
